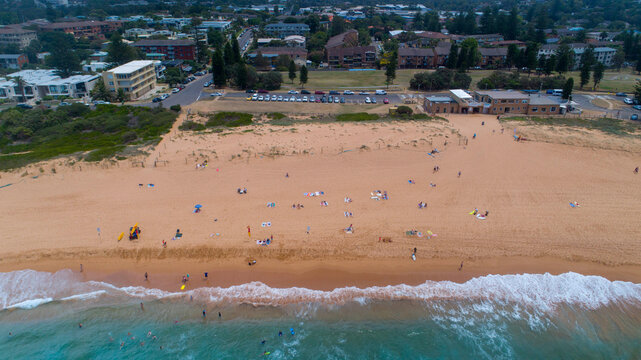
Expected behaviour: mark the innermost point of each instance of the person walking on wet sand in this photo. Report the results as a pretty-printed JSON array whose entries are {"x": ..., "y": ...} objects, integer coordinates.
[
  {"x": 146, "y": 276},
  {"x": 460, "y": 267}
]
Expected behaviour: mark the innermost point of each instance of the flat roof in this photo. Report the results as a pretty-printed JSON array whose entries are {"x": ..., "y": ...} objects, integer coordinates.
[
  {"x": 503, "y": 94},
  {"x": 131, "y": 66},
  {"x": 440, "y": 99},
  {"x": 538, "y": 99},
  {"x": 461, "y": 94}
]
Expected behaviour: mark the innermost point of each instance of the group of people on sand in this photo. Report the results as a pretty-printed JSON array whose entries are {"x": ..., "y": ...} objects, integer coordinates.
[
  {"x": 348, "y": 214},
  {"x": 324, "y": 203},
  {"x": 265, "y": 242},
  {"x": 241, "y": 191},
  {"x": 347, "y": 200},
  {"x": 297, "y": 206},
  {"x": 478, "y": 214},
  {"x": 349, "y": 229},
  {"x": 379, "y": 195},
  {"x": 422, "y": 205},
  {"x": 201, "y": 165}
]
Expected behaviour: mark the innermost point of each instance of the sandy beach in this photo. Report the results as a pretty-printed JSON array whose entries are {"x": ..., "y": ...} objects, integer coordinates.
[{"x": 54, "y": 219}]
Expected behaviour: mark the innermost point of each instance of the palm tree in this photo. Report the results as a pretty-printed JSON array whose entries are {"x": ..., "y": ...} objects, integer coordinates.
[{"x": 20, "y": 85}]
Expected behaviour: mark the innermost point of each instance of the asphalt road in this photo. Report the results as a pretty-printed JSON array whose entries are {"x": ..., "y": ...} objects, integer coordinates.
[
  {"x": 244, "y": 40},
  {"x": 187, "y": 96},
  {"x": 584, "y": 101},
  {"x": 349, "y": 99}
]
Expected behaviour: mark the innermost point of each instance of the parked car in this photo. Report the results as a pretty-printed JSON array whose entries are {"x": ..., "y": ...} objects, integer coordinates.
[
  {"x": 305, "y": 92},
  {"x": 64, "y": 103},
  {"x": 292, "y": 92},
  {"x": 312, "y": 98},
  {"x": 156, "y": 99},
  {"x": 334, "y": 92},
  {"x": 634, "y": 117},
  {"x": 636, "y": 107},
  {"x": 24, "y": 106},
  {"x": 267, "y": 98},
  {"x": 336, "y": 100},
  {"x": 373, "y": 100},
  {"x": 261, "y": 98},
  {"x": 249, "y": 98},
  {"x": 363, "y": 93},
  {"x": 386, "y": 101},
  {"x": 342, "y": 100},
  {"x": 367, "y": 100},
  {"x": 621, "y": 94},
  {"x": 304, "y": 98},
  {"x": 299, "y": 99},
  {"x": 262, "y": 91},
  {"x": 254, "y": 97},
  {"x": 164, "y": 96},
  {"x": 101, "y": 102},
  {"x": 250, "y": 91},
  {"x": 274, "y": 97},
  {"x": 628, "y": 101},
  {"x": 330, "y": 99},
  {"x": 348, "y": 92},
  {"x": 217, "y": 94},
  {"x": 175, "y": 90},
  {"x": 381, "y": 92},
  {"x": 286, "y": 99},
  {"x": 318, "y": 92},
  {"x": 207, "y": 84},
  {"x": 292, "y": 99},
  {"x": 280, "y": 98}
]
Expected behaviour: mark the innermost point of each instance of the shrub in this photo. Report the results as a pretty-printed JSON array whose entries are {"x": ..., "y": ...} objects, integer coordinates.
[
  {"x": 439, "y": 80},
  {"x": 404, "y": 110},
  {"x": 276, "y": 116},
  {"x": 129, "y": 136},
  {"x": 191, "y": 125},
  {"x": 175, "y": 108},
  {"x": 361, "y": 116},
  {"x": 229, "y": 119},
  {"x": 514, "y": 80}
]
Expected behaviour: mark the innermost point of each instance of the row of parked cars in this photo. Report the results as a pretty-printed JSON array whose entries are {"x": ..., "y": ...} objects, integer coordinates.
[
  {"x": 319, "y": 92},
  {"x": 329, "y": 99}
]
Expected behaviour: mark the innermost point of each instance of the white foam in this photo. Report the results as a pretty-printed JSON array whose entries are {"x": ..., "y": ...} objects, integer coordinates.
[
  {"x": 30, "y": 304},
  {"x": 541, "y": 291}
]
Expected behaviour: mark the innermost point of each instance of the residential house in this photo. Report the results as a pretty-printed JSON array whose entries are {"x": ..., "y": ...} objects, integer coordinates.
[
  {"x": 172, "y": 49},
  {"x": 135, "y": 78},
  {"x": 91, "y": 30},
  {"x": 41, "y": 83},
  {"x": 214, "y": 24},
  {"x": 492, "y": 58},
  {"x": 273, "y": 53},
  {"x": 282, "y": 30},
  {"x": 13, "y": 61},
  {"x": 416, "y": 58},
  {"x": 17, "y": 36},
  {"x": 604, "y": 55},
  {"x": 343, "y": 51},
  {"x": 441, "y": 52}
]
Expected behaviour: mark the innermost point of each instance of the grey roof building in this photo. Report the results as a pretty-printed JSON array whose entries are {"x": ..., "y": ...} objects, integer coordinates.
[{"x": 282, "y": 30}]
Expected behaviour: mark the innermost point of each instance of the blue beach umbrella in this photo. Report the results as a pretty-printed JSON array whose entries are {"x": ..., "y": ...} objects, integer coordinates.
[{"x": 198, "y": 206}]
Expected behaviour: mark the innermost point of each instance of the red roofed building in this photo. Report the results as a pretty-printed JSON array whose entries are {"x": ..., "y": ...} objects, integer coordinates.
[{"x": 85, "y": 29}]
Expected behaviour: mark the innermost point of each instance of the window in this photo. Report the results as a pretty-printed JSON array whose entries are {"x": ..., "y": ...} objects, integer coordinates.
[
  {"x": 553, "y": 109},
  {"x": 542, "y": 109},
  {"x": 524, "y": 101},
  {"x": 535, "y": 109}
]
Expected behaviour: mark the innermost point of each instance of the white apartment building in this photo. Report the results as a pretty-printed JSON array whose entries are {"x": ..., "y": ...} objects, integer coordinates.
[
  {"x": 41, "y": 83},
  {"x": 135, "y": 78}
]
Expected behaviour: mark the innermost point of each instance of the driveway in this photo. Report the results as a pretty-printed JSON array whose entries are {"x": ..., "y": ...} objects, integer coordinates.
[
  {"x": 187, "y": 96},
  {"x": 624, "y": 112}
]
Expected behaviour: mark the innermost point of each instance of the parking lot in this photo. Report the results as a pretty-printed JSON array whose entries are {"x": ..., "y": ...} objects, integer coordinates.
[{"x": 343, "y": 99}]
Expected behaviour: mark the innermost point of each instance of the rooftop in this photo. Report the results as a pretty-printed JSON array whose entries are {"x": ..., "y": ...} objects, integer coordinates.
[
  {"x": 131, "y": 66},
  {"x": 538, "y": 99},
  {"x": 164, "y": 43},
  {"x": 461, "y": 94},
  {"x": 439, "y": 99},
  {"x": 503, "y": 94},
  {"x": 10, "y": 56},
  {"x": 49, "y": 77}
]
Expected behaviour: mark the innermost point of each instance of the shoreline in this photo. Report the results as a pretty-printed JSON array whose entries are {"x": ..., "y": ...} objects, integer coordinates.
[{"x": 167, "y": 274}]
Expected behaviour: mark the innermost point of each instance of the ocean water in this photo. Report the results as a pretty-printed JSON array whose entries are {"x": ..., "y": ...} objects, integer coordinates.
[{"x": 529, "y": 316}]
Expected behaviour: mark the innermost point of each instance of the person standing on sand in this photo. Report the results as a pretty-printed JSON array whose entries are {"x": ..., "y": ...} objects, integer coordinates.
[
  {"x": 146, "y": 276},
  {"x": 460, "y": 267},
  {"x": 459, "y": 174},
  {"x": 636, "y": 170}
]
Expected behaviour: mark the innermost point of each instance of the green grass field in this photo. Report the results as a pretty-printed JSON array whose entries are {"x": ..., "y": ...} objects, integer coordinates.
[{"x": 613, "y": 81}]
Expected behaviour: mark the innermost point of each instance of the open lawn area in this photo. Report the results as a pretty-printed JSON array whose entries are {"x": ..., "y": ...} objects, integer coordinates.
[{"x": 355, "y": 80}]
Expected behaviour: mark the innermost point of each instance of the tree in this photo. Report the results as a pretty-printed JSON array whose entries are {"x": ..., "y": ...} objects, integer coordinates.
[
  {"x": 618, "y": 59},
  {"x": 550, "y": 65},
  {"x": 218, "y": 68},
  {"x": 303, "y": 76},
  {"x": 228, "y": 54},
  {"x": 20, "y": 86},
  {"x": 235, "y": 48},
  {"x": 439, "y": 80},
  {"x": 215, "y": 38},
  {"x": 241, "y": 76},
  {"x": 597, "y": 73},
  {"x": 567, "y": 88},
  {"x": 513, "y": 54},
  {"x": 174, "y": 76},
  {"x": 637, "y": 91},
  {"x": 338, "y": 26},
  {"x": 292, "y": 71},
  {"x": 531, "y": 56},
  {"x": 119, "y": 52},
  {"x": 271, "y": 80},
  {"x": 121, "y": 96},
  {"x": 564, "y": 59},
  {"x": 461, "y": 62},
  {"x": 584, "y": 76},
  {"x": 472, "y": 55},
  {"x": 390, "y": 69},
  {"x": 637, "y": 67},
  {"x": 64, "y": 60},
  {"x": 100, "y": 91},
  {"x": 587, "y": 60},
  {"x": 452, "y": 58},
  {"x": 313, "y": 21},
  {"x": 512, "y": 25}
]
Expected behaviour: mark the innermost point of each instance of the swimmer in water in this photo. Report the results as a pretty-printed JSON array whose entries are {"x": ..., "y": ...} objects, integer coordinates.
[
  {"x": 204, "y": 314},
  {"x": 220, "y": 315},
  {"x": 280, "y": 333}
]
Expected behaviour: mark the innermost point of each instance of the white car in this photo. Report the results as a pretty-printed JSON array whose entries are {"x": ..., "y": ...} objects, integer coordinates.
[
  {"x": 304, "y": 98},
  {"x": 628, "y": 101},
  {"x": 274, "y": 97},
  {"x": 381, "y": 92},
  {"x": 292, "y": 92},
  {"x": 363, "y": 93},
  {"x": 292, "y": 99},
  {"x": 299, "y": 100},
  {"x": 175, "y": 90},
  {"x": 217, "y": 94},
  {"x": 267, "y": 98},
  {"x": 367, "y": 100},
  {"x": 164, "y": 96},
  {"x": 280, "y": 98},
  {"x": 260, "y": 98},
  {"x": 348, "y": 92},
  {"x": 286, "y": 99}
]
